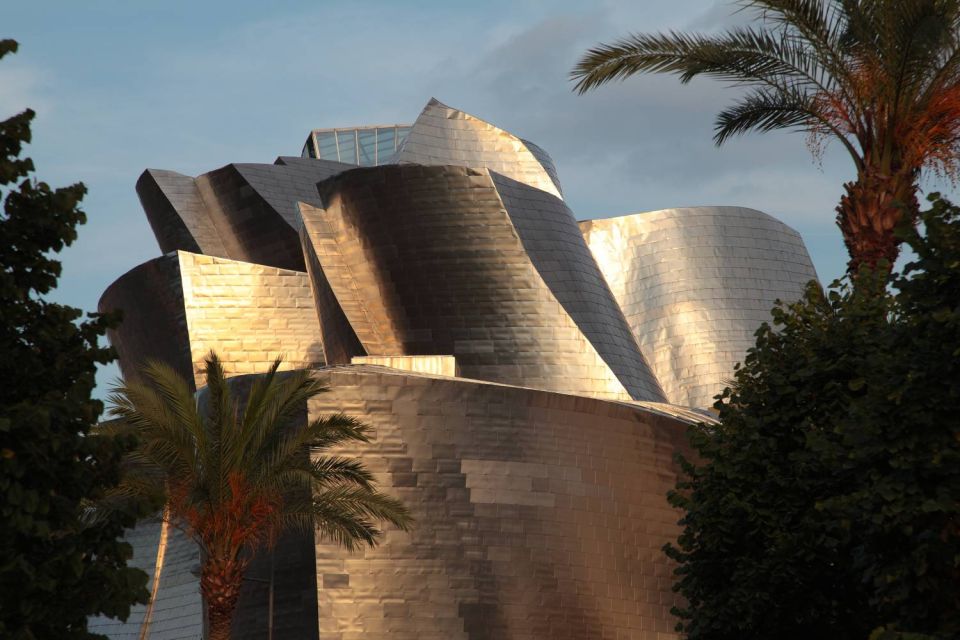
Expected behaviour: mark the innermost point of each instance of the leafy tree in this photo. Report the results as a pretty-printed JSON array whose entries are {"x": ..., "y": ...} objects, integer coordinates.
[
  {"x": 235, "y": 477},
  {"x": 55, "y": 571},
  {"x": 882, "y": 77},
  {"x": 826, "y": 502}
]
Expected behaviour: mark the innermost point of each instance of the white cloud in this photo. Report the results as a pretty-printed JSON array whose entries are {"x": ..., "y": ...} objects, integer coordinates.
[{"x": 22, "y": 86}]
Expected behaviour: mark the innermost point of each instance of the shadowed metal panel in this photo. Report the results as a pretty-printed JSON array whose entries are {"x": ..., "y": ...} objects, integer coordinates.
[
  {"x": 446, "y": 136},
  {"x": 695, "y": 284},
  {"x": 177, "y": 214},
  {"x": 177, "y": 610},
  {"x": 340, "y": 343},
  {"x": 557, "y": 249},
  {"x": 546, "y": 161},
  {"x": 180, "y": 306},
  {"x": 241, "y": 211},
  {"x": 538, "y": 515},
  {"x": 251, "y": 228},
  {"x": 437, "y": 267},
  {"x": 154, "y": 320},
  {"x": 288, "y": 182},
  {"x": 145, "y": 541},
  {"x": 346, "y": 278}
]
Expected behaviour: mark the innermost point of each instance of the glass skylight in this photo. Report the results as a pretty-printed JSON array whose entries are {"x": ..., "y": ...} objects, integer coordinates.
[{"x": 363, "y": 146}]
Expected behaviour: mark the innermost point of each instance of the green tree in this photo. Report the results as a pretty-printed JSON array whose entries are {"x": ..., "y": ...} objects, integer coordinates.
[
  {"x": 54, "y": 570},
  {"x": 826, "y": 503},
  {"x": 882, "y": 77},
  {"x": 234, "y": 475}
]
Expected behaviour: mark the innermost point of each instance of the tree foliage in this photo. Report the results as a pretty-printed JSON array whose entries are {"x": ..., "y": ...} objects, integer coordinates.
[
  {"x": 236, "y": 473},
  {"x": 881, "y": 77},
  {"x": 55, "y": 571},
  {"x": 826, "y": 503}
]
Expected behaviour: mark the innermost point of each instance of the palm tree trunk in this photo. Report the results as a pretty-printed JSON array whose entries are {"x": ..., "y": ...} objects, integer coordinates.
[
  {"x": 868, "y": 213},
  {"x": 220, "y": 582}
]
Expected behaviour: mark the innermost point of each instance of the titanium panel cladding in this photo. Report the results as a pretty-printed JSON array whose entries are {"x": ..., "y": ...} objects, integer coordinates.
[
  {"x": 180, "y": 306},
  {"x": 552, "y": 239},
  {"x": 446, "y": 136},
  {"x": 539, "y": 515},
  {"x": 427, "y": 261},
  {"x": 695, "y": 284},
  {"x": 243, "y": 212}
]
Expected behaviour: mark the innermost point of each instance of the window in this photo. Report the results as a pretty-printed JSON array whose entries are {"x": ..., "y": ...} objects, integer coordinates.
[
  {"x": 368, "y": 147},
  {"x": 327, "y": 144},
  {"x": 347, "y": 146}
]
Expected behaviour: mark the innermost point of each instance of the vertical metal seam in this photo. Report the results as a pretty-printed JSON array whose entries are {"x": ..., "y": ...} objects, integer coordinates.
[{"x": 157, "y": 570}]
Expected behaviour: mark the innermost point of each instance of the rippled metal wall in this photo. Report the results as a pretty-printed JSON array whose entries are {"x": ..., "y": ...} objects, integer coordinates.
[
  {"x": 539, "y": 515},
  {"x": 695, "y": 284},
  {"x": 180, "y": 306},
  {"x": 443, "y": 135},
  {"x": 427, "y": 261}
]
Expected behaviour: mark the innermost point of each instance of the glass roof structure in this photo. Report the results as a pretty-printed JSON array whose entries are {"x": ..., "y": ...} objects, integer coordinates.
[{"x": 363, "y": 146}]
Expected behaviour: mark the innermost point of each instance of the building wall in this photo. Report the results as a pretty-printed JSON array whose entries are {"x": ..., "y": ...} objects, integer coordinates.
[
  {"x": 538, "y": 515},
  {"x": 172, "y": 564},
  {"x": 443, "y": 135},
  {"x": 240, "y": 211},
  {"x": 427, "y": 261},
  {"x": 552, "y": 239},
  {"x": 178, "y": 307},
  {"x": 249, "y": 314},
  {"x": 695, "y": 284}
]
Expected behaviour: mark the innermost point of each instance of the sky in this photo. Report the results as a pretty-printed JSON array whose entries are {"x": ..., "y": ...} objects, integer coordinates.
[{"x": 190, "y": 86}]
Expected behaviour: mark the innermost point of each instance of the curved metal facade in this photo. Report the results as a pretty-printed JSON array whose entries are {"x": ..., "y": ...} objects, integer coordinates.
[
  {"x": 443, "y": 135},
  {"x": 538, "y": 478},
  {"x": 539, "y": 515},
  {"x": 178, "y": 307},
  {"x": 695, "y": 284},
  {"x": 427, "y": 261},
  {"x": 556, "y": 247},
  {"x": 241, "y": 211}
]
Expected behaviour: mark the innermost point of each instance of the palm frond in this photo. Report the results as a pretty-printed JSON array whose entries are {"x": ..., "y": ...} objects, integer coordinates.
[
  {"x": 763, "y": 110},
  {"x": 743, "y": 56},
  {"x": 220, "y": 422},
  {"x": 267, "y": 436},
  {"x": 293, "y": 451},
  {"x": 347, "y": 515},
  {"x": 246, "y": 474},
  {"x": 146, "y": 412}
]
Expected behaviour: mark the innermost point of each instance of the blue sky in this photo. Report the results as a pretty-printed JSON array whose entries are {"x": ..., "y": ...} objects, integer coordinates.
[{"x": 191, "y": 86}]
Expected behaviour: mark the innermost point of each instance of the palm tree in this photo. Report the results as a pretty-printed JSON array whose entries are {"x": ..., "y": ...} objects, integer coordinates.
[
  {"x": 880, "y": 76},
  {"x": 234, "y": 477}
]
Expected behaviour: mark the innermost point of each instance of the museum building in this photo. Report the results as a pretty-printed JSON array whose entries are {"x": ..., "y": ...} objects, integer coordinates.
[{"x": 529, "y": 377}]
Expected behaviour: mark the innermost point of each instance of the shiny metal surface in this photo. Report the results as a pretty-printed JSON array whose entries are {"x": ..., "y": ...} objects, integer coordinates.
[
  {"x": 180, "y": 306},
  {"x": 443, "y": 135},
  {"x": 518, "y": 369},
  {"x": 433, "y": 365},
  {"x": 695, "y": 284},
  {"x": 177, "y": 611},
  {"x": 154, "y": 325},
  {"x": 244, "y": 212},
  {"x": 427, "y": 261},
  {"x": 539, "y": 515},
  {"x": 552, "y": 239}
]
